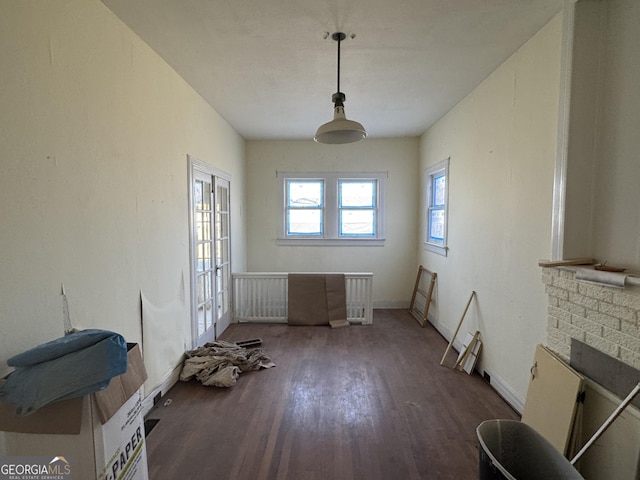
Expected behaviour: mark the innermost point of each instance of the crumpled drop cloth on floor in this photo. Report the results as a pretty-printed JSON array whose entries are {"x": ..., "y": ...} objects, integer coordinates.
[{"x": 220, "y": 363}]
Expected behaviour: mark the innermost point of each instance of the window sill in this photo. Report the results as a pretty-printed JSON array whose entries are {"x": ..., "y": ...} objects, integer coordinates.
[
  {"x": 331, "y": 242},
  {"x": 430, "y": 247}
]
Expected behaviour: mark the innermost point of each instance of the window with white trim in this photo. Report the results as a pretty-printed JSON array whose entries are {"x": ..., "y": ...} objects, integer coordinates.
[
  {"x": 437, "y": 178},
  {"x": 304, "y": 207},
  {"x": 332, "y": 208},
  {"x": 357, "y": 201}
]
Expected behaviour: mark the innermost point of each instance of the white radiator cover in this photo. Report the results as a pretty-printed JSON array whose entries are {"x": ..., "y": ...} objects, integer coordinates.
[{"x": 262, "y": 297}]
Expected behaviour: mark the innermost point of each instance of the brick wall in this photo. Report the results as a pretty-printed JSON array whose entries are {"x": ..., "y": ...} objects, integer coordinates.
[{"x": 605, "y": 318}]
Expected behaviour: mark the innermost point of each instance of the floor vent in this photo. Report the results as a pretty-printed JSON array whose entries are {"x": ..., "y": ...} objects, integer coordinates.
[{"x": 149, "y": 425}]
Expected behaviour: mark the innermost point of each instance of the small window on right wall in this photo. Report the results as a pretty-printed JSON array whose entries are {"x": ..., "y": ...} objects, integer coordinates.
[{"x": 437, "y": 177}]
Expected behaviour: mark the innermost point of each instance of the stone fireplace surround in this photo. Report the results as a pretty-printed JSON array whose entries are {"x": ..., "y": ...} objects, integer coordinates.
[{"x": 605, "y": 318}]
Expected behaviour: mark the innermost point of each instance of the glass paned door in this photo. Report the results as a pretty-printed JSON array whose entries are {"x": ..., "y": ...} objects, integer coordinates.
[
  {"x": 210, "y": 252},
  {"x": 204, "y": 324},
  {"x": 222, "y": 255}
]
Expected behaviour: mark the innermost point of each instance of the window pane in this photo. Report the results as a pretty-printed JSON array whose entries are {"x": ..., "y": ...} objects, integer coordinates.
[
  {"x": 199, "y": 219},
  {"x": 222, "y": 222},
  {"x": 197, "y": 194},
  {"x": 201, "y": 320},
  {"x": 221, "y": 199},
  {"x": 436, "y": 225},
  {"x": 201, "y": 286},
  {"x": 357, "y": 194},
  {"x": 200, "y": 256},
  {"x": 206, "y": 196},
  {"x": 357, "y": 222},
  {"x": 304, "y": 222},
  {"x": 203, "y": 252},
  {"x": 304, "y": 194},
  {"x": 439, "y": 189},
  {"x": 204, "y": 226}
]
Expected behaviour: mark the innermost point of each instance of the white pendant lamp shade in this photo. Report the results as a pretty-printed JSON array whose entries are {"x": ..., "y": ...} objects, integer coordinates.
[{"x": 339, "y": 130}]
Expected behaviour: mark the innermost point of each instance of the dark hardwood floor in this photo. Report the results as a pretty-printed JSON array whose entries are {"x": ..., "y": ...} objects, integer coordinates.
[{"x": 361, "y": 402}]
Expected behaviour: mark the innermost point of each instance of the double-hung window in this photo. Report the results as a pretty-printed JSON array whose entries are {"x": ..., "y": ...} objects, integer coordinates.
[
  {"x": 357, "y": 201},
  {"x": 437, "y": 178},
  {"x": 305, "y": 207},
  {"x": 335, "y": 208}
]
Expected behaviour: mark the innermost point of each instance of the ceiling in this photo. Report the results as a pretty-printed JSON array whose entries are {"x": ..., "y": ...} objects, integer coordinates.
[{"x": 266, "y": 67}]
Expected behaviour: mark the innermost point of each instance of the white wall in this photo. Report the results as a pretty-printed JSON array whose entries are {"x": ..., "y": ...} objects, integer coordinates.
[
  {"x": 501, "y": 139},
  {"x": 393, "y": 265},
  {"x": 600, "y": 217},
  {"x": 95, "y": 129},
  {"x": 617, "y": 217}
]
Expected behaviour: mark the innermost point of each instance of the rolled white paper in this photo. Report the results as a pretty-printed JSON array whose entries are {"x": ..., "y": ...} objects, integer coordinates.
[{"x": 601, "y": 277}]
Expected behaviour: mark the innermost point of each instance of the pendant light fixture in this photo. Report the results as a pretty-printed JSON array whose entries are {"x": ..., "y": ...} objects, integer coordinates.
[{"x": 339, "y": 130}]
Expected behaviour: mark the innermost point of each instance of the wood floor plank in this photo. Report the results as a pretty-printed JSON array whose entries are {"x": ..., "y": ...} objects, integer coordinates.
[{"x": 363, "y": 402}]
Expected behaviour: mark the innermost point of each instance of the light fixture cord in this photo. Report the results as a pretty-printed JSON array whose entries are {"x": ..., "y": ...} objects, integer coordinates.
[{"x": 339, "y": 64}]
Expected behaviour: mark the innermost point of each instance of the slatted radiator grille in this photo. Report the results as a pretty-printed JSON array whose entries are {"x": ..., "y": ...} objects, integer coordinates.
[{"x": 262, "y": 297}]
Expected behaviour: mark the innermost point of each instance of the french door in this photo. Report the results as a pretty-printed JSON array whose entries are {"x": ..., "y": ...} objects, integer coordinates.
[
  {"x": 222, "y": 279},
  {"x": 210, "y": 252}
]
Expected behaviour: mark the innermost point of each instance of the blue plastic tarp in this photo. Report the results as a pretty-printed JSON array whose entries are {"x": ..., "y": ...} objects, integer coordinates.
[{"x": 77, "y": 364}]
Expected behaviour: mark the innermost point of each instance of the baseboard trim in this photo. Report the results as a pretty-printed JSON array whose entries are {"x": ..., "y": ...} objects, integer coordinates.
[
  {"x": 162, "y": 389},
  {"x": 497, "y": 382},
  {"x": 445, "y": 332},
  {"x": 392, "y": 305},
  {"x": 507, "y": 394}
]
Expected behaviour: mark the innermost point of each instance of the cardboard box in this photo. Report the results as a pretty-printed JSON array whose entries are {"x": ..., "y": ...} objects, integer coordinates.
[
  {"x": 101, "y": 434},
  {"x": 123, "y": 453},
  {"x": 120, "y": 389}
]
